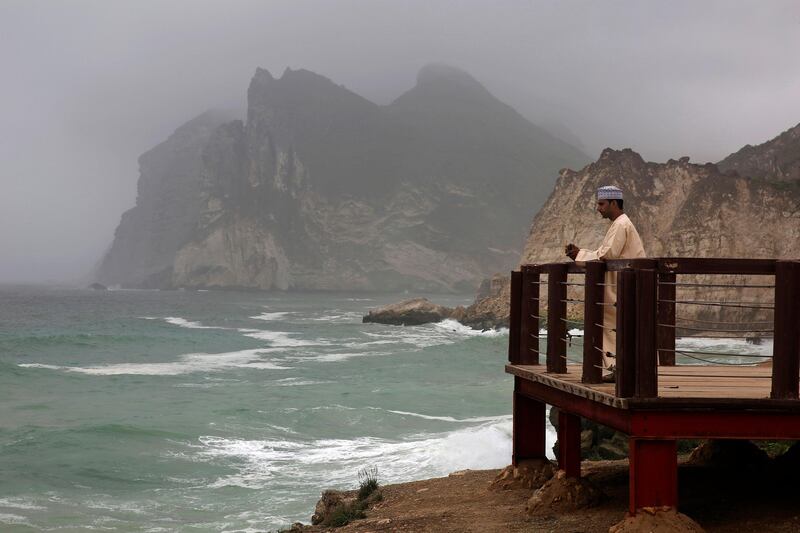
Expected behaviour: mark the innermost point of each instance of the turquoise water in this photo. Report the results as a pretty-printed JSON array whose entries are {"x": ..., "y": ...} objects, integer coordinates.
[{"x": 229, "y": 411}]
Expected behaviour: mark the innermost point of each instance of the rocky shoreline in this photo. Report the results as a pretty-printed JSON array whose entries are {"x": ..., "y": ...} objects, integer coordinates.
[{"x": 726, "y": 486}]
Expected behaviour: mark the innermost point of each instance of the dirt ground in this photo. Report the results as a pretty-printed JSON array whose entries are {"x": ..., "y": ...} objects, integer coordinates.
[{"x": 766, "y": 500}]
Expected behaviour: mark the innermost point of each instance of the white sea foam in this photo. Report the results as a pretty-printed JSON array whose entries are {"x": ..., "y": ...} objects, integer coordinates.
[
  {"x": 271, "y": 316},
  {"x": 19, "y": 503},
  {"x": 188, "y": 363},
  {"x": 442, "y": 418},
  {"x": 280, "y": 339},
  {"x": 334, "y": 462},
  {"x": 724, "y": 346},
  {"x": 453, "y": 326},
  {"x": 181, "y": 322}
]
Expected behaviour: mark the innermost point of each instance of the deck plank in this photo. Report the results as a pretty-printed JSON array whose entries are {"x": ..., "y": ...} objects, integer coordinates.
[{"x": 742, "y": 386}]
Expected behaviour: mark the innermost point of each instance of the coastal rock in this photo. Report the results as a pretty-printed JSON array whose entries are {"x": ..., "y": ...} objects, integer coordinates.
[
  {"x": 409, "y": 313},
  {"x": 724, "y": 453},
  {"x": 654, "y": 520},
  {"x": 563, "y": 494},
  {"x": 490, "y": 309},
  {"x": 98, "y": 287},
  {"x": 530, "y": 474},
  {"x": 330, "y": 502}
]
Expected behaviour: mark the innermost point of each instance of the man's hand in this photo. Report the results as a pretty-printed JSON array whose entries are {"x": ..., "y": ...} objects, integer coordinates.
[{"x": 571, "y": 250}]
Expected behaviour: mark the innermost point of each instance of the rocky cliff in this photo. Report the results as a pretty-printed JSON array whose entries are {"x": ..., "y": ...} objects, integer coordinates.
[
  {"x": 775, "y": 160},
  {"x": 320, "y": 188},
  {"x": 680, "y": 209}
]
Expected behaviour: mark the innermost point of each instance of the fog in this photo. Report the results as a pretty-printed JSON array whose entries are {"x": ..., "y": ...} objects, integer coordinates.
[{"x": 88, "y": 86}]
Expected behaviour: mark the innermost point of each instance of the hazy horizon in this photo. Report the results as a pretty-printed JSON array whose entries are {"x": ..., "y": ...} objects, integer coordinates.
[{"x": 92, "y": 85}]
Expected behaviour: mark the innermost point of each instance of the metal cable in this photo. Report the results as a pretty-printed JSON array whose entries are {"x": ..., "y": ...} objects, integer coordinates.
[
  {"x": 606, "y": 303},
  {"x": 728, "y": 286},
  {"x": 572, "y": 283},
  {"x": 536, "y": 316},
  {"x": 572, "y": 321},
  {"x": 718, "y": 304},
  {"x": 699, "y": 321},
  {"x": 568, "y": 300},
  {"x": 717, "y": 329},
  {"x": 606, "y": 284},
  {"x": 605, "y": 327},
  {"x": 725, "y": 354},
  {"x": 602, "y": 352},
  {"x": 715, "y": 362}
]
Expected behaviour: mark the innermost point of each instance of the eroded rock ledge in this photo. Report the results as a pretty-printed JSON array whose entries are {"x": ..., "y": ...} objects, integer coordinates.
[{"x": 488, "y": 311}]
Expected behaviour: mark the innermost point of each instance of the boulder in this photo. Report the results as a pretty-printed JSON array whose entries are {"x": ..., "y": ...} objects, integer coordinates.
[
  {"x": 719, "y": 453},
  {"x": 655, "y": 520},
  {"x": 330, "y": 502},
  {"x": 530, "y": 474},
  {"x": 562, "y": 494},
  {"x": 98, "y": 287},
  {"x": 409, "y": 313}
]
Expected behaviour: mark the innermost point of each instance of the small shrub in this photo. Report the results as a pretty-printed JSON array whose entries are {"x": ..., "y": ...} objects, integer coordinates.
[
  {"x": 367, "y": 482},
  {"x": 344, "y": 514}
]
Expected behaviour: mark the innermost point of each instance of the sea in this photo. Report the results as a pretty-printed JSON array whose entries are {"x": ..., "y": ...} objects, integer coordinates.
[{"x": 194, "y": 411}]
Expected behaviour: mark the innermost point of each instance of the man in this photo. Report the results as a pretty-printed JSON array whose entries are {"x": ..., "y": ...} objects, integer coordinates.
[{"x": 621, "y": 242}]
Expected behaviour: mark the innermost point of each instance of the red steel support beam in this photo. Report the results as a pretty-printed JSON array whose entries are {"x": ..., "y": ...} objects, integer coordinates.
[
  {"x": 569, "y": 444},
  {"x": 528, "y": 438},
  {"x": 653, "y": 474}
]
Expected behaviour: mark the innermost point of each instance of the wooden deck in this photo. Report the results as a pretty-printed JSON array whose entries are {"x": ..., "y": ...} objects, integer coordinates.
[{"x": 695, "y": 385}]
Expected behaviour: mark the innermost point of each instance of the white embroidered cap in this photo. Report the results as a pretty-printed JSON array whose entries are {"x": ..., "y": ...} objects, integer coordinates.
[{"x": 609, "y": 192}]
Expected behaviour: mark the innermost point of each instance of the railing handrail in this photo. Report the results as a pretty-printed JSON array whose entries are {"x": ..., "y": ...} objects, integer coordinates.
[
  {"x": 646, "y": 317},
  {"x": 675, "y": 265}
]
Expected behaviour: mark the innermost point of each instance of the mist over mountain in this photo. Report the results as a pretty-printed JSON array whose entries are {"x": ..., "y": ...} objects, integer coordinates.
[{"x": 322, "y": 189}]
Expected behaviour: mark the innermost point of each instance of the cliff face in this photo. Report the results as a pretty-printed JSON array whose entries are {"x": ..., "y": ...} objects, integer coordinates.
[
  {"x": 679, "y": 208},
  {"x": 777, "y": 159},
  {"x": 322, "y": 189},
  {"x": 167, "y": 206}
]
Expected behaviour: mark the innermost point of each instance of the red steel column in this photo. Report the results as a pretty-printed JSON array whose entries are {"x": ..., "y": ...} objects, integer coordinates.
[
  {"x": 569, "y": 444},
  {"x": 528, "y": 439},
  {"x": 653, "y": 473}
]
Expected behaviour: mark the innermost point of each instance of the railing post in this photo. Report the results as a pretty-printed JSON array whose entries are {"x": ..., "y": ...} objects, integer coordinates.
[
  {"x": 556, "y": 316},
  {"x": 626, "y": 333},
  {"x": 666, "y": 316},
  {"x": 786, "y": 347},
  {"x": 529, "y": 322},
  {"x": 514, "y": 318},
  {"x": 592, "y": 316},
  {"x": 646, "y": 355}
]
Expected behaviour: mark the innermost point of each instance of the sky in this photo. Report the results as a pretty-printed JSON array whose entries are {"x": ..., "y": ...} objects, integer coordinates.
[{"x": 88, "y": 86}]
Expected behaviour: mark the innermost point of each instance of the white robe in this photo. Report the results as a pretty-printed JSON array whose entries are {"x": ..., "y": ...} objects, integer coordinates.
[{"x": 622, "y": 241}]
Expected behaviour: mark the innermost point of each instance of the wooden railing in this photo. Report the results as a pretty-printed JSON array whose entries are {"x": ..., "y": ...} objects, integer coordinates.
[{"x": 647, "y": 298}]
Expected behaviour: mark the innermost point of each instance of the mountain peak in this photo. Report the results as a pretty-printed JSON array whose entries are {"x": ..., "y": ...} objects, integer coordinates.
[{"x": 436, "y": 74}]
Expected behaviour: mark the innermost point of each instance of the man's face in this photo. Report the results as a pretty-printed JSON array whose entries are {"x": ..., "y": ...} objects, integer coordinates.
[{"x": 604, "y": 208}]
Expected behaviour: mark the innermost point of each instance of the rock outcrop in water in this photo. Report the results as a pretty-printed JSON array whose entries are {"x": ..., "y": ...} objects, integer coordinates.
[
  {"x": 322, "y": 189},
  {"x": 411, "y": 312}
]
